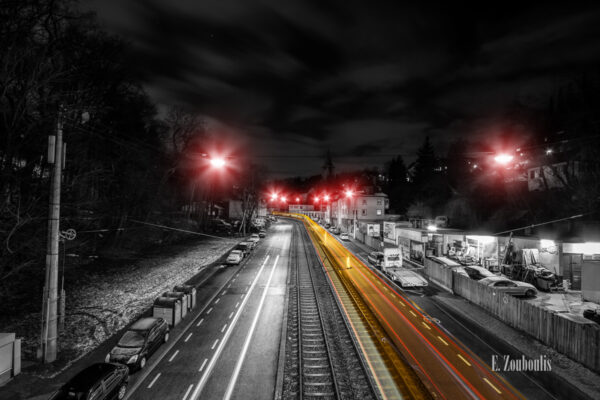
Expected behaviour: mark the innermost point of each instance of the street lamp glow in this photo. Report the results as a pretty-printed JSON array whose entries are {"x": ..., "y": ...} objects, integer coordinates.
[
  {"x": 297, "y": 199},
  {"x": 217, "y": 162},
  {"x": 274, "y": 197},
  {"x": 283, "y": 198},
  {"x": 316, "y": 198},
  {"x": 548, "y": 151},
  {"x": 503, "y": 158},
  {"x": 349, "y": 193},
  {"x": 431, "y": 228},
  {"x": 326, "y": 197}
]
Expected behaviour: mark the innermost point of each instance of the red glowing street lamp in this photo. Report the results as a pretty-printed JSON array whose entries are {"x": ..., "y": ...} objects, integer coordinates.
[
  {"x": 503, "y": 159},
  {"x": 217, "y": 162}
]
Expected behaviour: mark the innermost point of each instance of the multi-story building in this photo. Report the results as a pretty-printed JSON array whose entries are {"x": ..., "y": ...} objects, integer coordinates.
[{"x": 361, "y": 207}]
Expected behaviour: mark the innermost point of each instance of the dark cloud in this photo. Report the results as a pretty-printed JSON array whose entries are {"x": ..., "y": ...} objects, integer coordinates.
[{"x": 362, "y": 78}]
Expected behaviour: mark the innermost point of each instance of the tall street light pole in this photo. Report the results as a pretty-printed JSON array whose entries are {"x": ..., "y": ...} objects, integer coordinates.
[{"x": 49, "y": 335}]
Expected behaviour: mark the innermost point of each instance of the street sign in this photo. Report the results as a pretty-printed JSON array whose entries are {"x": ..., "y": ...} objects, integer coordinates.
[{"x": 69, "y": 234}]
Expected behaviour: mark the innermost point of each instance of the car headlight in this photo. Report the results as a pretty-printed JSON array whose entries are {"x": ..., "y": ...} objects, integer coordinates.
[{"x": 132, "y": 359}]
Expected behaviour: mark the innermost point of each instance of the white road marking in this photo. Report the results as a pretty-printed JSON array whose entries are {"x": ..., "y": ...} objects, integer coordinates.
[
  {"x": 213, "y": 360},
  {"x": 223, "y": 328},
  {"x": 173, "y": 356},
  {"x": 188, "y": 336},
  {"x": 199, "y": 322},
  {"x": 230, "y": 315},
  {"x": 203, "y": 364},
  {"x": 187, "y": 392},
  {"x": 233, "y": 280},
  {"x": 237, "y": 304},
  {"x": 240, "y": 361},
  {"x": 224, "y": 291},
  {"x": 214, "y": 344},
  {"x": 153, "y": 380},
  {"x": 209, "y": 310},
  {"x": 216, "y": 301}
]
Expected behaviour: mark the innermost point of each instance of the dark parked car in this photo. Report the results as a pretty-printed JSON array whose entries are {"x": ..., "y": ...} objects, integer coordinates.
[
  {"x": 139, "y": 342},
  {"x": 102, "y": 381},
  {"x": 245, "y": 247},
  {"x": 262, "y": 233}
]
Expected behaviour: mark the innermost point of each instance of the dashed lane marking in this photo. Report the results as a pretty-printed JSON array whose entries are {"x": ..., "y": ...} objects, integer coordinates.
[
  {"x": 413, "y": 313},
  {"x": 209, "y": 310},
  {"x": 214, "y": 344},
  {"x": 216, "y": 301},
  {"x": 173, "y": 356},
  {"x": 223, "y": 328},
  {"x": 442, "y": 340},
  {"x": 237, "y": 304},
  {"x": 425, "y": 325},
  {"x": 200, "y": 322},
  {"x": 493, "y": 387},
  {"x": 187, "y": 392},
  {"x": 230, "y": 315},
  {"x": 464, "y": 360},
  {"x": 203, "y": 364},
  {"x": 153, "y": 380},
  {"x": 188, "y": 336}
]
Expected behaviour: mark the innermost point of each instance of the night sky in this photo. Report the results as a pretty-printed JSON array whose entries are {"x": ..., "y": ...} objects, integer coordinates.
[{"x": 366, "y": 79}]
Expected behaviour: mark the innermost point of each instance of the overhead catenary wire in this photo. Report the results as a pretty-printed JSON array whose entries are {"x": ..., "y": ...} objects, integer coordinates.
[
  {"x": 176, "y": 229},
  {"x": 544, "y": 223}
]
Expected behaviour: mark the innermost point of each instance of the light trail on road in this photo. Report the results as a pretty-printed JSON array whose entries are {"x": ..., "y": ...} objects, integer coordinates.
[{"x": 447, "y": 368}]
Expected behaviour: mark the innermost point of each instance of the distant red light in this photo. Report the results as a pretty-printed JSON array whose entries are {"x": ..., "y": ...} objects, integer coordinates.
[
  {"x": 283, "y": 198},
  {"x": 349, "y": 193},
  {"x": 503, "y": 158},
  {"x": 297, "y": 198},
  {"x": 326, "y": 197},
  {"x": 316, "y": 198}
]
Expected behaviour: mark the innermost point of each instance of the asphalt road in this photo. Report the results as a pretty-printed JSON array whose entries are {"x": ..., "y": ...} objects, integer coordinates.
[
  {"x": 233, "y": 344},
  {"x": 446, "y": 366},
  {"x": 462, "y": 331}
]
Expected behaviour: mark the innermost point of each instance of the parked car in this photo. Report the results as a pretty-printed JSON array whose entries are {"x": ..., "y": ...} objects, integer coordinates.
[
  {"x": 254, "y": 239},
  {"x": 245, "y": 247},
  {"x": 262, "y": 233},
  {"x": 235, "y": 257},
  {"x": 138, "y": 343},
  {"x": 344, "y": 236},
  {"x": 327, "y": 225},
  {"x": 505, "y": 285},
  {"x": 406, "y": 278},
  {"x": 101, "y": 381},
  {"x": 478, "y": 273},
  {"x": 376, "y": 258},
  {"x": 336, "y": 231}
]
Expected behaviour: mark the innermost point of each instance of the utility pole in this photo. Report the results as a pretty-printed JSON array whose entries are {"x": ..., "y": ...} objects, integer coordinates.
[{"x": 49, "y": 337}]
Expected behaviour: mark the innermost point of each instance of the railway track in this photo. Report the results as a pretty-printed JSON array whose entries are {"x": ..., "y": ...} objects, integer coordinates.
[{"x": 321, "y": 359}]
